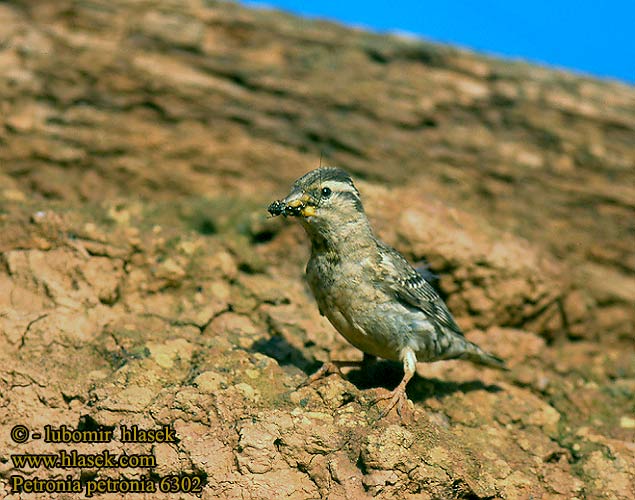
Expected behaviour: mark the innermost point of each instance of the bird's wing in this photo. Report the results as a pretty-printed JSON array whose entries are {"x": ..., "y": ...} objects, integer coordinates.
[{"x": 409, "y": 287}]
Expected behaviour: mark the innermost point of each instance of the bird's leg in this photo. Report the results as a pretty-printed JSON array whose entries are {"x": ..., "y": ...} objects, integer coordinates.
[
  {"x": 398, "y": 396},
  {"x": 334, "y": 367}
]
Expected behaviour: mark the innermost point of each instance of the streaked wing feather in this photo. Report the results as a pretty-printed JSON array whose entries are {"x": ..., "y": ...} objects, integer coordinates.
[{"x": 411, "y": 288}]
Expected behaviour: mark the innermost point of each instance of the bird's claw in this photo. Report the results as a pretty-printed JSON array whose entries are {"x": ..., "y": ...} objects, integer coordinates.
[
  {"x": 328, "y": 368},
  {"x": 399, "y": 400}
]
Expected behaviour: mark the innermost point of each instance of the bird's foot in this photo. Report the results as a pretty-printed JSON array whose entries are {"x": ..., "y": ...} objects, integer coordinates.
[
  {"x": 328, "y": 368},
  {"x": 399, "y": 400}
]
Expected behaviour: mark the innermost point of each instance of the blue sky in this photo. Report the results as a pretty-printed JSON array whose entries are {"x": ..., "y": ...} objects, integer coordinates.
[{"x": 590, "y": 36}]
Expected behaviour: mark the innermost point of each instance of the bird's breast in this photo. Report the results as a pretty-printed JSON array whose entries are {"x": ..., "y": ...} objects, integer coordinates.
[{"x": 346, "y": 296}]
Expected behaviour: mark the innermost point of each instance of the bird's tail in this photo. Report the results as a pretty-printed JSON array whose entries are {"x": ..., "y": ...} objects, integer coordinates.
[
  {"x": 480, "y": 357},
  {"x": 471, "y": 352}
]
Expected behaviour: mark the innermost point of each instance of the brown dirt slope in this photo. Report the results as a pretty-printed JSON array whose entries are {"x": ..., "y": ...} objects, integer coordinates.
[{"x": 141, "y": 283}]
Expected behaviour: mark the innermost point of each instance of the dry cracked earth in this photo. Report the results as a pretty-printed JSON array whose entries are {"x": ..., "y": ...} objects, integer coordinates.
[{"x": 141, "y": 282}]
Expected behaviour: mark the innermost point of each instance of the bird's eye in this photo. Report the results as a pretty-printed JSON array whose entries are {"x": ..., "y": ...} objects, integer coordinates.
[{"x": 326, "y": 192}]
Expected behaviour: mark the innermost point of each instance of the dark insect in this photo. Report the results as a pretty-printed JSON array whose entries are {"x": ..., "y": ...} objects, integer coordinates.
[
  {"x": 280, "y": 208},
  {"x": 276, "y": 208},
  {"x": 293, "y": 211}
]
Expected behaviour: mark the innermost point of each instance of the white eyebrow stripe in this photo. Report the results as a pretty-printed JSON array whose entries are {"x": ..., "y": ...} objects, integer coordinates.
[{"x": 340, "y": 186}]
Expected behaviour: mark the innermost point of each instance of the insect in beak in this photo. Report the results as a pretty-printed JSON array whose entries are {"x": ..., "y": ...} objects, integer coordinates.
[{"x": 293, "y": 208}]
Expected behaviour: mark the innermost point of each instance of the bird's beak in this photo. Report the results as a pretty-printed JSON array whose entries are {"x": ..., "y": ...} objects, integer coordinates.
[{"x": 295, "y": 204}]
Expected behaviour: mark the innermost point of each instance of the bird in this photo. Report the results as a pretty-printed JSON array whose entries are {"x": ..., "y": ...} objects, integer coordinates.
[{"x": 366, "y": 289}]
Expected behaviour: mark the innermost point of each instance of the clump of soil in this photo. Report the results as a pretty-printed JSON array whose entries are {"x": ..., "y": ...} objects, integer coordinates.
[{"x": 142, "y": 284}]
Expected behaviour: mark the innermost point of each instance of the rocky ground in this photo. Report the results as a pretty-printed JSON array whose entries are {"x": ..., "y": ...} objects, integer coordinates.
[{"x": 142, "y": 283}]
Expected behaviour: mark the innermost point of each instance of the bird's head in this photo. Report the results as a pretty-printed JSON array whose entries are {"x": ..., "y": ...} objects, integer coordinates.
[{"x": 324, "y": 199}]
